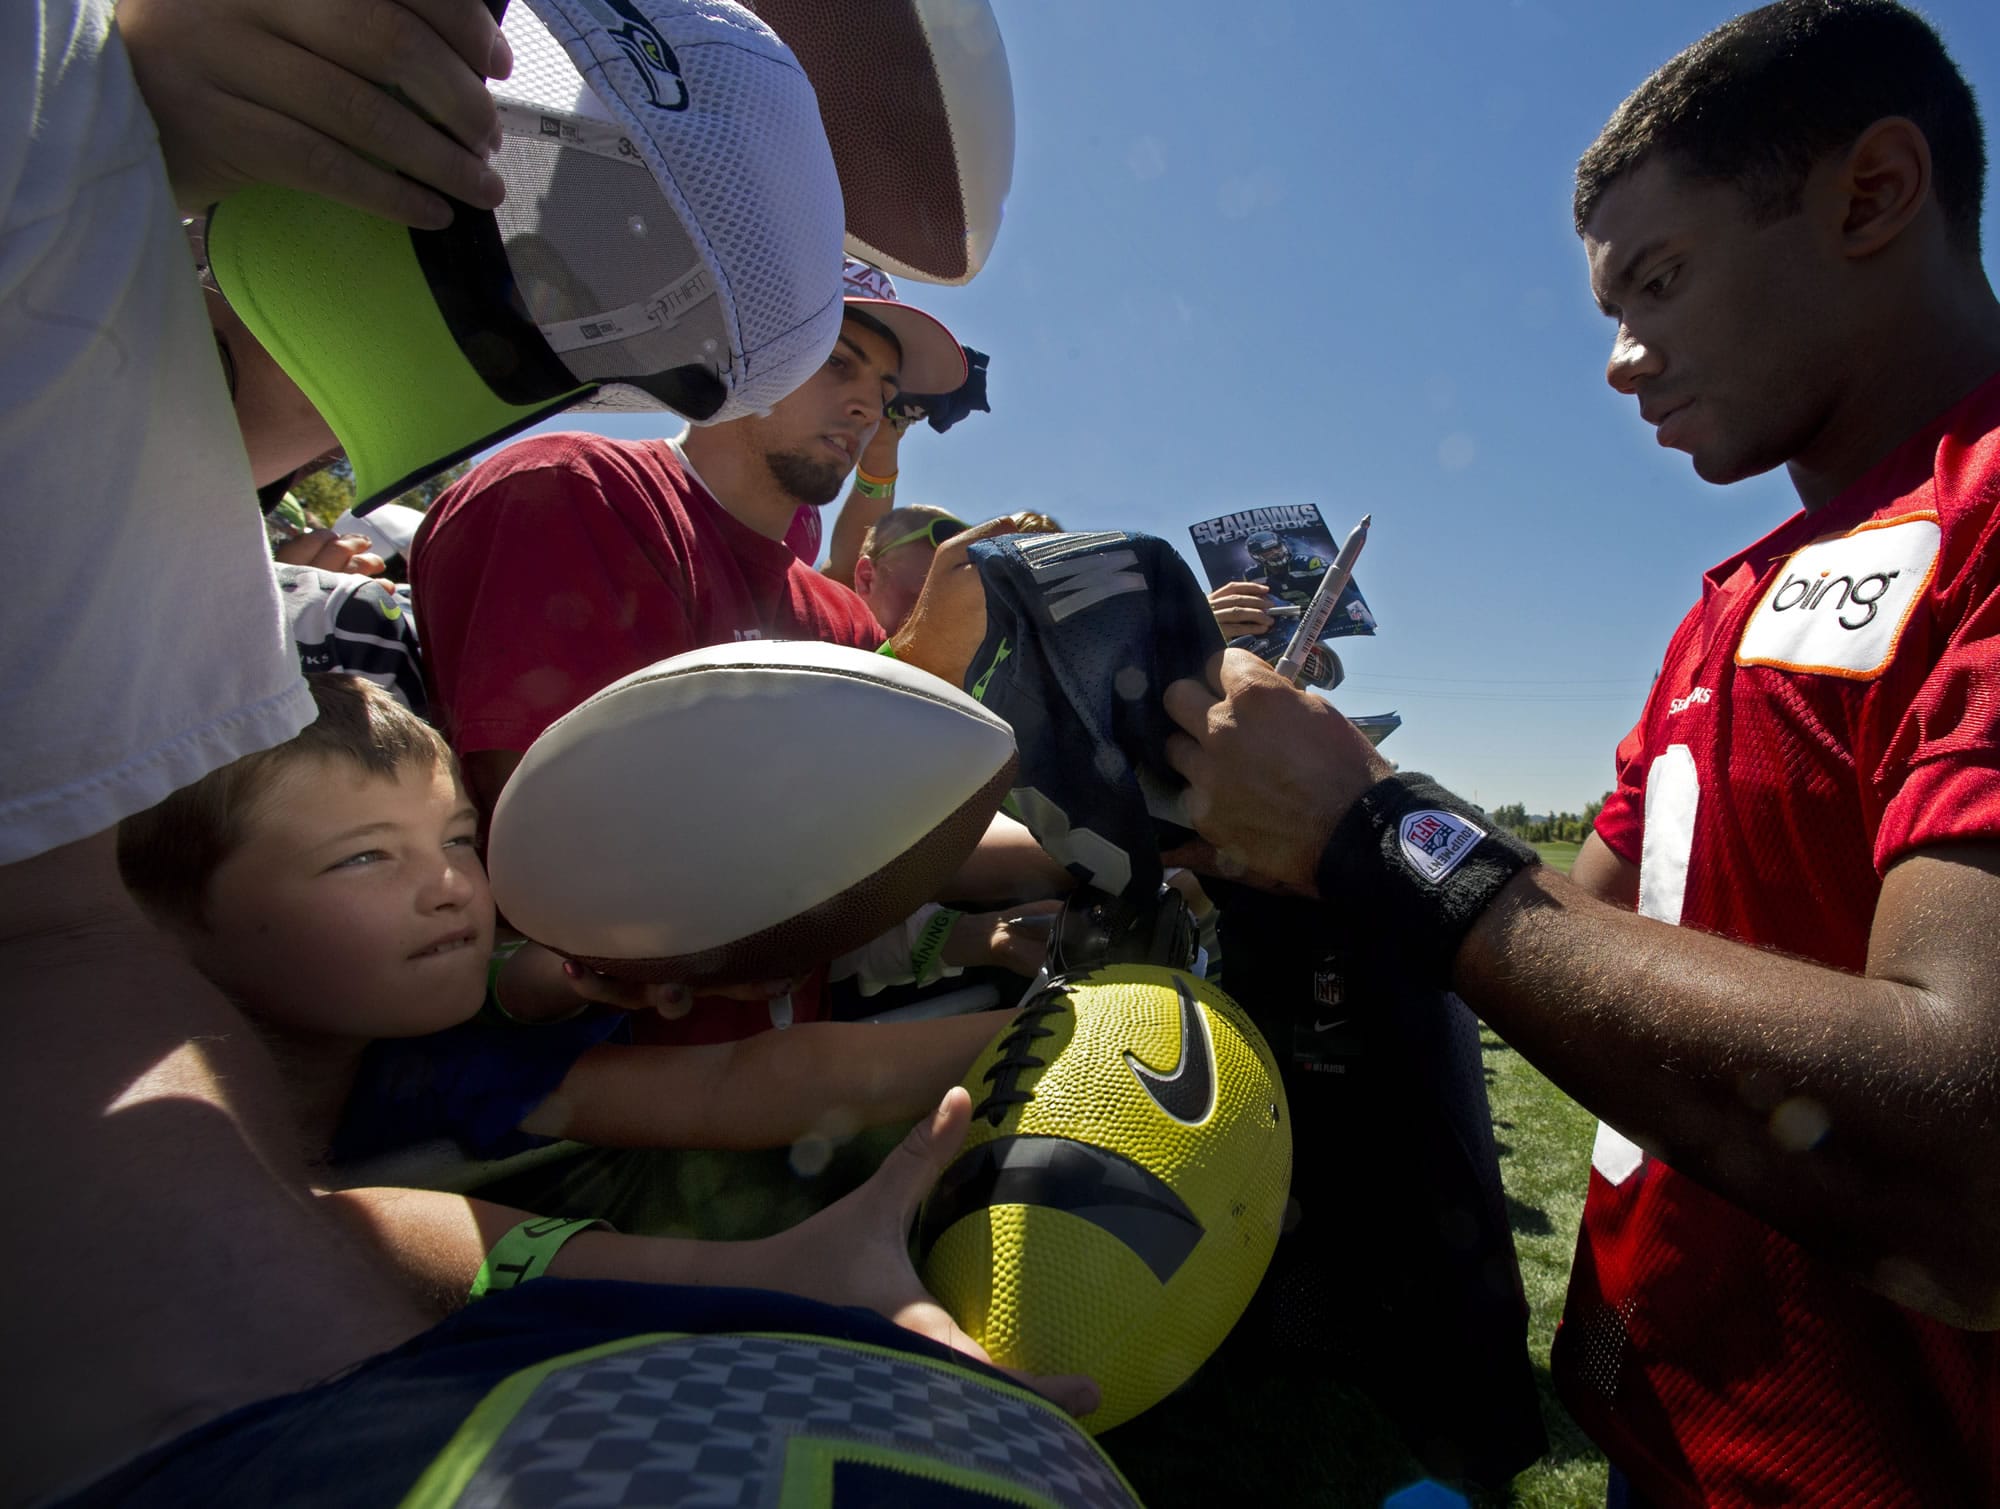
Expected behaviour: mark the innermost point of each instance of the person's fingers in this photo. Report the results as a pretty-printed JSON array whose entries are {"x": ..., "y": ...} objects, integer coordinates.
[
  {"x": 1075, "y": 1393},
  {"x": 953, "y": 552},
  {"x": 270, "y": 146},
  {"x": 604, "y": 990},
  {"x": 1197, "y": 855},
  {"x": 1243, "y": 671},
  {"x": 908, "y": 1173},
  {"x": 329, "y": 95},
  {"x": 468, "y": 29},
  {"x": 1072, "y": 1392},
  {"x": 433, "y": 51},
  {"x": 1188, "y": 702}
]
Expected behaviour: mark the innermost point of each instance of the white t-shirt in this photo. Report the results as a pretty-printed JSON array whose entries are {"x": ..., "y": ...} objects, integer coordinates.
[{"x": 139, "y": 622}]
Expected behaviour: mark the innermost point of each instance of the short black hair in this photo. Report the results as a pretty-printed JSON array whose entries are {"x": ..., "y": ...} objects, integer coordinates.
[{"x": 1762, "y": 99}]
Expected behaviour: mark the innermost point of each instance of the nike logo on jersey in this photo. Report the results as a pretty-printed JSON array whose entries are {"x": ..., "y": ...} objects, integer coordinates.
[
  {"x": 1838, "y": 606},
  {"x": 1187, "y": 1091}
]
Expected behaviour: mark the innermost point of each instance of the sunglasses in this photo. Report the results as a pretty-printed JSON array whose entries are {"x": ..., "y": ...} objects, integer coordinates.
[{"x": 936, "y": 532}]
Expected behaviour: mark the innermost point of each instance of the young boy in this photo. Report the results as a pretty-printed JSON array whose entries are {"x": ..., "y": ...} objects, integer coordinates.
[{"x": 331, "y": 887}]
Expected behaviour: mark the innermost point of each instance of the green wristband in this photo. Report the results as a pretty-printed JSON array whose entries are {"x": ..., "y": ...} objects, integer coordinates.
[
  {"x": 930, "y": 943},
  {"x": 525, "y": 1252},
  {"x": 887, "y": 647}
]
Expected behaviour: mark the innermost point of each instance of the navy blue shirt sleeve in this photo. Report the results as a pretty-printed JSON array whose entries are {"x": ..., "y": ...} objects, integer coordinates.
[{"x": 473, "y": 1083}]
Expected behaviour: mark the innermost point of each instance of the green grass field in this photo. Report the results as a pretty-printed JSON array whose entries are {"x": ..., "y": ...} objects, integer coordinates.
[{"x": 1233, "y": 1438}]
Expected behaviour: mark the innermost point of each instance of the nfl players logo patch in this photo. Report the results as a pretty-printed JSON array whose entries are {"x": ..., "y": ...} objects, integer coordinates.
[{"x": 1435, "y": 843}]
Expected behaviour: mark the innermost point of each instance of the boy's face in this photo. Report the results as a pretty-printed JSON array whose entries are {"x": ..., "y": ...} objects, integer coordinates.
[{"x": 356, "y": 908}]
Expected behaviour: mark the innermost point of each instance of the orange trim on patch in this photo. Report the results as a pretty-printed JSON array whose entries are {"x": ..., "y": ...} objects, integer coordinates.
[{"x": 1895, "y": 634}]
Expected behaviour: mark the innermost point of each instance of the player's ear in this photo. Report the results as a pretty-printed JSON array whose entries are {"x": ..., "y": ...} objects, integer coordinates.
[
  {"x": 1882, "y": 182},
  {"x": 864, "y": 575}
]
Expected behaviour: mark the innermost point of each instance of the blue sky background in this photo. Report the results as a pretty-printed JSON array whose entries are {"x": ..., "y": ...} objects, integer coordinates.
[{"x": 1273, "y": 252}]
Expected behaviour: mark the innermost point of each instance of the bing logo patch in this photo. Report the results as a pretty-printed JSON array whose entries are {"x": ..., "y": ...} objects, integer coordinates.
[{"x": 1838, "y": 606}]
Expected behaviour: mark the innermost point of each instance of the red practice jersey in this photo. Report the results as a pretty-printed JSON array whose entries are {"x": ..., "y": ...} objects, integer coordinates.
[{"x": 1831, "y": 704}]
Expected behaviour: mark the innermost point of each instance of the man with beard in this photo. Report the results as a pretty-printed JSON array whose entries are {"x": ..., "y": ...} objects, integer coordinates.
[{"x": 570, "y": 560}]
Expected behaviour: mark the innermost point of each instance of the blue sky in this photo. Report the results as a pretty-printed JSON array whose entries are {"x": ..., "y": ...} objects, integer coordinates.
[{"x": 1273, "y": 252}]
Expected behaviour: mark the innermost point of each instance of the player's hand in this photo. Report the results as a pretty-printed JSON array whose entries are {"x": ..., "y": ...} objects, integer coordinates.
[
  {"x": 1241, "y": 608},
  {"x": 668, "y": 1000},
  {"x": 1016, "y": 938},
  {"x": 291, "y": 93},
  {"x": 353, "y": 554},
  {"x": 1270, "y": 769},
  {"x": 856, "y": 1251},
  {"x": 944, "y": 629}
]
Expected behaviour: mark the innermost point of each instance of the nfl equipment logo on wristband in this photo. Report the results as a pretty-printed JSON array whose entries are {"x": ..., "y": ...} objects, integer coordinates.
[{"x": 1434, "y": 842}]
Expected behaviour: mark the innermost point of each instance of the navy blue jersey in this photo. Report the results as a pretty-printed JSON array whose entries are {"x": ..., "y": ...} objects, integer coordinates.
[{"x": 1083, "y": 633}]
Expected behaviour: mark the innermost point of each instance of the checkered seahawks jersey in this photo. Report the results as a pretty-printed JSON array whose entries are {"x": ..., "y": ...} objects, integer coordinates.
[{"x": 1830, "y": 705}]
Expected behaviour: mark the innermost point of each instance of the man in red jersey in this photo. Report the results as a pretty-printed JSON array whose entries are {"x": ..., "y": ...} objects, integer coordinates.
[
  {"x": 569, "y": 560},
  {"x": 1773, "y": 971}
]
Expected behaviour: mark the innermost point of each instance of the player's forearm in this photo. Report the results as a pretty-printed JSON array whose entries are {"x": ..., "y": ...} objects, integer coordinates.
[{"x": 1857, "y": 1115}]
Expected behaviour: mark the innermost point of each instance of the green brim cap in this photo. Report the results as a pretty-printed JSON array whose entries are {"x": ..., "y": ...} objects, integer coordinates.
[{"x": 343, "y": 302}]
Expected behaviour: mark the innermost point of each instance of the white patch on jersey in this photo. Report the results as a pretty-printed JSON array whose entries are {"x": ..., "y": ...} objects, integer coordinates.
[
  {"x": 1615, "y": 1156},
  {"x": 1838, "y": 606},
  {"x": 1673, "y": 796}
]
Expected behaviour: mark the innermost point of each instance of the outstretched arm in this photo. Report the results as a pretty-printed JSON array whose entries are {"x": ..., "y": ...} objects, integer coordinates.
[
  {"x": 1858, "y": 1114},
  {"x": 860, "y": 510},
  {"x": 363, "y": 101},
  {"x": 764, "y": 1091},
  {"x": 854, "y": 1252}
]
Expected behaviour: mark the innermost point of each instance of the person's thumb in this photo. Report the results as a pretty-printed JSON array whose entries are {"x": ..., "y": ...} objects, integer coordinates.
[{"x": 908, "y": 1173}]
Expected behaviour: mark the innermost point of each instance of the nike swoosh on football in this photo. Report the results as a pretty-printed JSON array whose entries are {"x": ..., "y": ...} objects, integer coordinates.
[{"x": 1187, "y": 1091}]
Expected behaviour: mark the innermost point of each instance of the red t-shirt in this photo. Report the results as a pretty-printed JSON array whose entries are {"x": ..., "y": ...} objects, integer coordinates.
[
  {"x": 569, "y": 560},
  {"x": 1831, "y": 703}
]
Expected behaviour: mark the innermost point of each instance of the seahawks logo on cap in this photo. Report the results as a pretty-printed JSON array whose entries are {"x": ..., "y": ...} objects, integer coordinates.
[{"x": 641, "y": 41}]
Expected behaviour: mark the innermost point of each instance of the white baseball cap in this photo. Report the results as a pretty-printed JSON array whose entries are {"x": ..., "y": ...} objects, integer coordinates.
[
  {"x": 669, "y": 240},
  {"x": 933, "y": 360}
]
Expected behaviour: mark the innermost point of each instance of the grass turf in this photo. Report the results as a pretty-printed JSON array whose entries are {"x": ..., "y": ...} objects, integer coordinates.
[
  {"x": 1230, "y": 1436},
  {"x": 1233, "y": 1437}
]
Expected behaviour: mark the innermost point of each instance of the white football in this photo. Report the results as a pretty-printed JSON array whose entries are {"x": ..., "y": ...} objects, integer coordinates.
[{"x": 745, "y": 812}]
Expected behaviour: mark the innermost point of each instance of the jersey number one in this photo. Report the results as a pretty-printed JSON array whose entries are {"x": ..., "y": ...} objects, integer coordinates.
[{"x": 1673, "y": 794}]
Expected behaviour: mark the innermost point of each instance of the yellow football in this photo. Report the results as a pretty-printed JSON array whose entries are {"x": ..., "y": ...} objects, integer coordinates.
[{"x": 1119, "y": 1194}]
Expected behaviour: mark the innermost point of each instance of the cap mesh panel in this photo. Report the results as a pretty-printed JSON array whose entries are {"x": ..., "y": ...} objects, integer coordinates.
[{"x": 588, "y": 234}]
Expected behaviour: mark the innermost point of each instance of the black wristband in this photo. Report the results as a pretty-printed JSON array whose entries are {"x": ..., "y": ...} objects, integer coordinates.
[{"x": 1408, "y": 871}]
